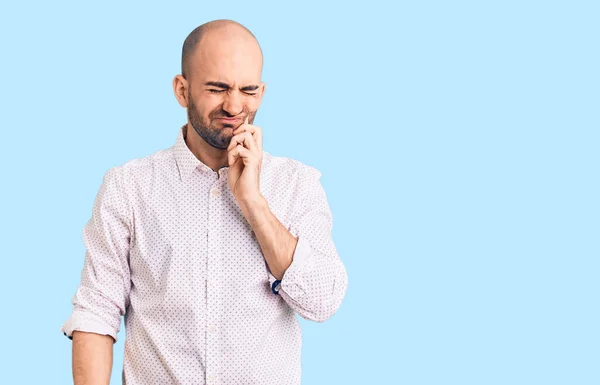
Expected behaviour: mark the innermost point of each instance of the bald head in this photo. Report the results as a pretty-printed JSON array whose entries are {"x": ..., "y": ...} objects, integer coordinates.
[
  {"x": 220, "y": 82},
  {"x": 214, "y": 33}
]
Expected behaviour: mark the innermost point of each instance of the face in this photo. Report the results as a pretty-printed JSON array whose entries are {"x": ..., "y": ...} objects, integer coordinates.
[
  {"x": 216, "y": 124},
  {"x": 222, "y": 90}
]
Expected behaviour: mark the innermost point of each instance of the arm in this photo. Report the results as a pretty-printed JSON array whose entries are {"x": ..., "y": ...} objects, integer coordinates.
[
  {"x": 304, "y": 258},
  {"x": 276, "y": 242},
  {"x": 103, "y": 293},
  {"x": 92, "y": 358}
]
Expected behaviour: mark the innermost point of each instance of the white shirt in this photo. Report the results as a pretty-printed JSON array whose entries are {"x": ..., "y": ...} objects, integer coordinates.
[{"x": 168, "y": 248}]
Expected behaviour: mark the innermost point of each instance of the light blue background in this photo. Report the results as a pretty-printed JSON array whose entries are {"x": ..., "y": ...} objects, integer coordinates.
[{"x": 458, "y": 143}]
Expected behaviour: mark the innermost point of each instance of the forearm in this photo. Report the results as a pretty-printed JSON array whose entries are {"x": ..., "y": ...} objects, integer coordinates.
[
  {"x": 92, "y": 358},
  {"x": 316, "y": 278},
  {"x": 276, "y": 242}
]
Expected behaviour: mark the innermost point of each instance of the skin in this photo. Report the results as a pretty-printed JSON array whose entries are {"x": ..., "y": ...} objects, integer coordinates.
[
  {"x": 92, "y": 358},
  {"x": 229, "y": 55},
  {"x": 223, "y": 80}
]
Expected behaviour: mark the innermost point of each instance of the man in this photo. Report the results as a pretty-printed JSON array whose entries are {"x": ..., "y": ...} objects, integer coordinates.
[{"x": 210, "y": 247}]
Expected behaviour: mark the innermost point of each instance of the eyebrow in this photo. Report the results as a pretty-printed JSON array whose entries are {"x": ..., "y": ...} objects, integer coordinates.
[{"x": 226, "y": 86}]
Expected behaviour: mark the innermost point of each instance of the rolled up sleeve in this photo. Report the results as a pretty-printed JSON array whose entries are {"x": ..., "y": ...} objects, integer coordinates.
[
  {"x": 315, "y": 283},
  {"x": 102, "y": 296}
]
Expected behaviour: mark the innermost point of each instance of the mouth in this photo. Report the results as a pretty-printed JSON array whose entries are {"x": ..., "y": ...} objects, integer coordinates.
[{"x": 230, "y": 120}]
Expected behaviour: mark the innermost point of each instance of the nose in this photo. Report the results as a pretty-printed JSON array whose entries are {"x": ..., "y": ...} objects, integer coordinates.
[{"x": 233, "y": 103}]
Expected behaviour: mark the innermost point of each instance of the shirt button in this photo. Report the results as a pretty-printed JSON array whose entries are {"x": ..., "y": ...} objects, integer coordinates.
[
  {"x": 212, "y": 328},
  {"x": 215, "y": 192}
]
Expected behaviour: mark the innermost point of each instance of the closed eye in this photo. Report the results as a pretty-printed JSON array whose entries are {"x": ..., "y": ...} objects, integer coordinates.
[{"x": 213, "y": 91}]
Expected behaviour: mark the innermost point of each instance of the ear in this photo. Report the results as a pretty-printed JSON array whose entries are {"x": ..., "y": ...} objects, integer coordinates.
[{"x": 180, "y": 89}]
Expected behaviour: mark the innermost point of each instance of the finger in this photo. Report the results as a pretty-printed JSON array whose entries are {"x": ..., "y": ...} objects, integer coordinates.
[
  {"x": 239, "y": 152},
  {"x": 258, "y": 137},
  {"x": 255, "y": 130},
  {"x": 245, "y": 139},
  {"x": 243, "y": 126}
]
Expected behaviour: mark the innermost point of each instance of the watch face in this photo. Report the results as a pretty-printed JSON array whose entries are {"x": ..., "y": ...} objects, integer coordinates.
[{"x": 275, "y": 287}]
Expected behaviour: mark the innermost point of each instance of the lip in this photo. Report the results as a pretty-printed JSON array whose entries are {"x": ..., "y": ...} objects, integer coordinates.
[{"x": 230, "y": 120}]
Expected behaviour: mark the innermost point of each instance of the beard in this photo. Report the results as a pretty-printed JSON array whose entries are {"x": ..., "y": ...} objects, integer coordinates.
[{"x": 214, "y": 136}]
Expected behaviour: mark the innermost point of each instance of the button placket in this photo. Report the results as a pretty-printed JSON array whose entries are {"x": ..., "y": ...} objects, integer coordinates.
[{"x": 213, "y": 295}]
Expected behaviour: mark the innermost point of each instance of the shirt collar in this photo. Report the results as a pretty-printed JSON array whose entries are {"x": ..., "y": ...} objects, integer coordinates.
[{"x": 186, "y": 160}]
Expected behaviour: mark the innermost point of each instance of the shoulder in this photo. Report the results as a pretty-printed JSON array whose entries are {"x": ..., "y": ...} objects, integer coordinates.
[
  {"x": 287, "y": 169},
  {"x": 142, "y": 168},
  {"x": 288, "y": 184}
]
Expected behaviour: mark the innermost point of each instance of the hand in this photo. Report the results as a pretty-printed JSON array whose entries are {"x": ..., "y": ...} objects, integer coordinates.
[{"x": 244, "y": 155}]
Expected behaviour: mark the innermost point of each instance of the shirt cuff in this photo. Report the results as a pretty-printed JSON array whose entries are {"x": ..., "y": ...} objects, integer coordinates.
[
  {"x": 86, "y": 321},
  {"x": 299, "y": 260}
]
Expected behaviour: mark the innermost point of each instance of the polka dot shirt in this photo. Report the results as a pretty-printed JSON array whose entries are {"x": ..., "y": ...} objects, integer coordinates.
[{"x": 168, "y": 248}]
